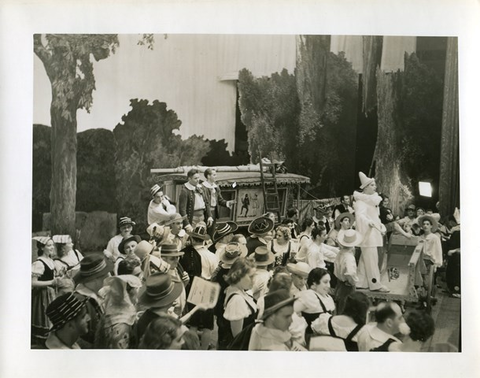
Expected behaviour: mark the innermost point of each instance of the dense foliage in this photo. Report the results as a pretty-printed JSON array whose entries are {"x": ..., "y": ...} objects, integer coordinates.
[
  {"x": 325, "y": 150},
  {"x": 96, "y": 171},
  {"x": 148, "y": 138}
]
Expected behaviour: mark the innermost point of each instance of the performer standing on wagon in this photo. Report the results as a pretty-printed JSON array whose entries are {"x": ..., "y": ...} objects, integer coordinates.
[
  {"x": 214, "y": 197},
  {"x": 193, "y": 203},
  {"x": 368, "y": 224}
]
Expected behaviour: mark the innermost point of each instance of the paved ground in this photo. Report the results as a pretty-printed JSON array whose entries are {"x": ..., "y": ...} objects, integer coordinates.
[{"x": 447, "y": 316}]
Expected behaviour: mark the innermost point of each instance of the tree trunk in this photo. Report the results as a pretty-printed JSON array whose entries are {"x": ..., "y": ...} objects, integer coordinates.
[
  {"x": 311, "y": 76},
  {"x": 64, "y": 170},
  {"x": 389, "y": 173},
  {"x": 449, "y": 191},
  {"x": 372, "y": 57}
]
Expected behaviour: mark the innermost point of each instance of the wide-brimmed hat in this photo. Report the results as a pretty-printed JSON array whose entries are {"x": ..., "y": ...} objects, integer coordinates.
[
  {"x": 93, "y": 266},
  {"x": 342, "y": 216},
  {"x": 300, "y": 269},
  {"x": 349, "y": 238},
  {"x": 173, "y": 218},
  {"x": 123, "y": 221},
  {"x": 160, "y": 290},
  {"x": 121, "y": 246},
  {"x": 263, "y": 256},
  {"x": 411, "y": 207},
  {"x": 143, "y": 249},
  {"x": 65, "y": 308},
  {"x": 364, "y": 180},
  {"x": 200, "y": 231},
  {"x": 155, "y": 189},
  {"x": 224, "y": 229},
  {"x": 61, "y": 239},
  {"x": 170, "y": 250},
  {"x": 432, "y": 220},
  {"x": 42, "y": 239},
  {"x": 260, "y": 225},
  {"x": 276, "y": 300},
  {"x": 231, "y": 252}
]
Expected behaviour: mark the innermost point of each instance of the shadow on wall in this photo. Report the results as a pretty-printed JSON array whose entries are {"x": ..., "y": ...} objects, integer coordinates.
[{"x": 94, "y": 229}]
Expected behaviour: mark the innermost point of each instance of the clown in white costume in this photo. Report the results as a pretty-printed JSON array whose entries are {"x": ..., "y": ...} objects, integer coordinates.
[{"x": 368, "y": 224}]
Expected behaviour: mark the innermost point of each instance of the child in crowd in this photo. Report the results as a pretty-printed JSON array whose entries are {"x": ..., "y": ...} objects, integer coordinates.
[{"x": 345, "y": 266}]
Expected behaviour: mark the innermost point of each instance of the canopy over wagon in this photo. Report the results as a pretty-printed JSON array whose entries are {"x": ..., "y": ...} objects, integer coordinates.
[{"x": 242, "y": 184}]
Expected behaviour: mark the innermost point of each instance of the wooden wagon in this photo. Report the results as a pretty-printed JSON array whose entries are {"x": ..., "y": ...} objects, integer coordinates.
[
  {"x": 404, "y": 271},
  {"x": 243, "y": 184}
]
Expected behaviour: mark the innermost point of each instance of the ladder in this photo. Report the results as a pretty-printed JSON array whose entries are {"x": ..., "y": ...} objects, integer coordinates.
[{"x": 271, "y": 197}]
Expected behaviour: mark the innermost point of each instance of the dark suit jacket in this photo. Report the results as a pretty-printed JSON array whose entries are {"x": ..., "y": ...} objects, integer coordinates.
[
  {"x": 186, "y": 203},
  {"x": 220, "y": 200}
]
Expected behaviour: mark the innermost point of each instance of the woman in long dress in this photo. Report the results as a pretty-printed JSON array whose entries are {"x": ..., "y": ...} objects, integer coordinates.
[{"x": 43, "y": 288}]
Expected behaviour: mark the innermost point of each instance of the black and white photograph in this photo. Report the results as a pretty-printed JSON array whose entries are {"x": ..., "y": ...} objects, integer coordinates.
[{"x": 310, "y": 180}]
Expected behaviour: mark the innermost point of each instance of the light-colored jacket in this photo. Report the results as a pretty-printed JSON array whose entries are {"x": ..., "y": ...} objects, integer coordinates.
[{"x": 366, "y": 211}]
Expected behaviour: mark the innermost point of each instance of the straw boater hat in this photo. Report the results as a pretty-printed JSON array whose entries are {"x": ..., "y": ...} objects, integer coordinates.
[
  {"x": 231, "y": 252},
  {"x": 65, "y": 308},
  {"x": 200, "y": 231},
  {"x": 155, "y": 189},
  {"x": 160, "y": 291},
  {"x": 173, "y": 218},
  {"x": 123, "y": 221},
  {"x": 61, "y": 239},
  {"x": 432, "y": 220},
  {"x": 276, "y": 300},
  {"x": 121, "y": 246},
  {"x": 300, "y": 269},
  {"x": 341, "y": 217},
  {"x": 364, "y": 180},
  {"x": 349, "y": 238},
  {"x": 263, "y": 256},
  {"x": 260, "y": 225},
  {"x": 223, "y": 229},
  {"x": 93, "y": 266},
  {"x": 170, "y": 250}
]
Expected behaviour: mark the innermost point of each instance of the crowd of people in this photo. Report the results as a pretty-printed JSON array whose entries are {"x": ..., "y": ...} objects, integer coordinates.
[{"x": 282, "y": 286}]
